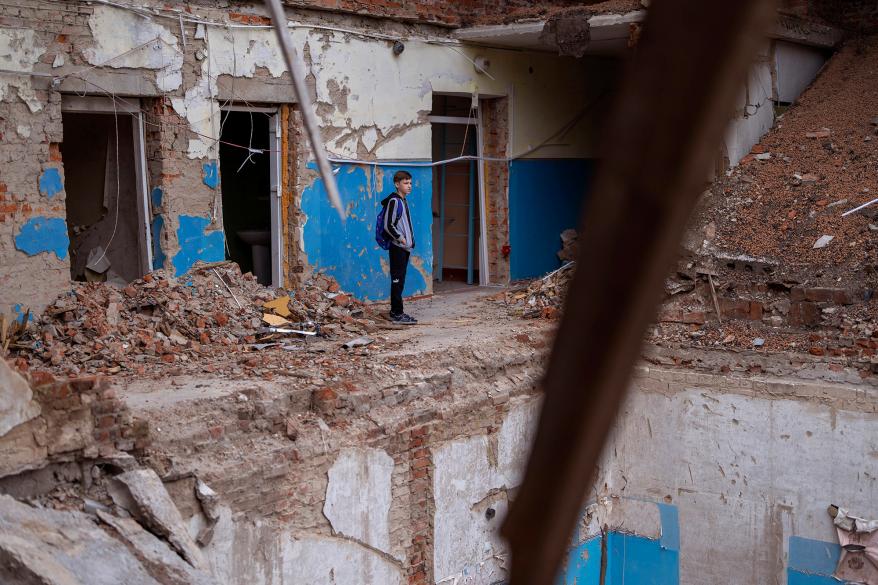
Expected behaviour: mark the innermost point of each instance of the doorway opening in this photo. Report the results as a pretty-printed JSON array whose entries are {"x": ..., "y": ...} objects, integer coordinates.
[
  {"x": 456, "y": 192},
  {"x": 103, "y": 160},
  {"x": 248, "y": 157}
]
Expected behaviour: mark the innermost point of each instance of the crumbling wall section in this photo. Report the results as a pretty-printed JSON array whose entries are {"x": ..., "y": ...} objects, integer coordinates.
[
  {"x": 80, "y": 418},
  {"x": 33, "y": 229},
  {"x": 349, "y": 477},
  {"x": 495, "y": 125}
]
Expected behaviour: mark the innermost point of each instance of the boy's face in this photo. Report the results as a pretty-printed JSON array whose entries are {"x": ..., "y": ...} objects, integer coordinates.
[{"x": 404, "y": 187}]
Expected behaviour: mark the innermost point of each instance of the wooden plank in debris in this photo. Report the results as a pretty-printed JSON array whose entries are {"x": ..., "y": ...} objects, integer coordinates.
[{"x": 670, "y": 112}]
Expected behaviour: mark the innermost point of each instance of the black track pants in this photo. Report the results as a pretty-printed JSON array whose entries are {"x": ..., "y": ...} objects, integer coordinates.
[{"x": 399, "y": 262}]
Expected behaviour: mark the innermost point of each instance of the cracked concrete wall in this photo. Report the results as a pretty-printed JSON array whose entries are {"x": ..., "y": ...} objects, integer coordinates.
[
  {"x": 752, "y": 463},
  {"x": 473, "y": 478},
  {"x": 781, "y": 72}
]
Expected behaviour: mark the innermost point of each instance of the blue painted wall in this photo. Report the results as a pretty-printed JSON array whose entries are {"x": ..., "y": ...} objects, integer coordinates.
[
  {"x": 50, "y": 182},
  {"x": 158, "y": 254},
  {"x": 630, "y": 558},
  {"x": 583, "y": 564},
  {"x": 197, "y": 244},
  {"x": 545, "y": 198},
  {"x": 210, "y": 172},
  {"x": 812, "y": 562},
  {"x": 43, "y": 234},
  {"x": 347, "y": 251}
]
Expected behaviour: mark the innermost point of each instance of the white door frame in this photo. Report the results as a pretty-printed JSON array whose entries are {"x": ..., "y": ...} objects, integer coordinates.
[{"x": 275, "y": 134}]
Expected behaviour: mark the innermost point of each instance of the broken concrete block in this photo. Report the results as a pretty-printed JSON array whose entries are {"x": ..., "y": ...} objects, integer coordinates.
[
  {"x": 16, "y": 399},
  {"x": 821, "y": 133},
  {"x": 62, "y": 548},
  {"x": 823, "y": 241},
  {"x": 209, "y": 500},
  {"x": 162, "y": 563},
  {"x": 359, "y": 342},
  {"x": 142, "y": 493}
]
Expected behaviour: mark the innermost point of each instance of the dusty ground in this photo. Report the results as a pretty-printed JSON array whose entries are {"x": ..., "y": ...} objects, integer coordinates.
[{"x": 459, "y": 319}]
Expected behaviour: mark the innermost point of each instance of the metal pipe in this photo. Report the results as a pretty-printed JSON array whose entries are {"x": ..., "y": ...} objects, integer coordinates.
[
  {"x": 470, "y": 228},
  {"x": 301, "y": 92},
  {"x": 442, "y": 182}
]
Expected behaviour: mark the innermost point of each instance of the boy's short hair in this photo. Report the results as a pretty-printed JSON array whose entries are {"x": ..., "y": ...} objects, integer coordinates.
[{"x": 401, "y": 176}]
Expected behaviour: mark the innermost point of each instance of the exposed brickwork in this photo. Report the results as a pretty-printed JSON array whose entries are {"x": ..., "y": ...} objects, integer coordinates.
[
  {"x": 28, "y": 146},
  {"x": 283, "y": 478},
  {"x": 445, "y": 12},
  {"x": 495, "y": 122},
  {"x": 80, "y": 418},
  {"x": 297, "y": 154}
]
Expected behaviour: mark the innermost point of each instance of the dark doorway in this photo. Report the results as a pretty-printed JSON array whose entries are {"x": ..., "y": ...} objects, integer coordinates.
[
  {"x": 104, "y": 209},
  {"x": 246, "y": 190},
  {"x": 456, "y": 217}
]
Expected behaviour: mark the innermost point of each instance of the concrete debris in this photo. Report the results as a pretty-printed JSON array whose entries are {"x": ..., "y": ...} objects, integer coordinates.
[
  {"x": 49, "y": 547},
  {"x": 142, "y": 494},
  {"x": 160, "y": 320},
  {"x": 209, "y": 500},
  {"x": 569, "y": 245},
  {"x": 675, "y": 286},
  {"x": 821, "y": 133},
  {"x": 161, "y": 562},
  {"x": 543, "y": 297},
  {"x": 823, "y": 241},
  {"x": 16, "y": 399},
  {"x": 858, "y": 538},
  {"x": 359, "y": 342}
]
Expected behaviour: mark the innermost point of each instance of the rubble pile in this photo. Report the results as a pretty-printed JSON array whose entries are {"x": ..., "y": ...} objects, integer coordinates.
[
  {"x": 541, "y": 298},
  {"x": 785, "y": 200},
  {"x": 211, "y": 311},
  {"x": 569, "y": 245}
]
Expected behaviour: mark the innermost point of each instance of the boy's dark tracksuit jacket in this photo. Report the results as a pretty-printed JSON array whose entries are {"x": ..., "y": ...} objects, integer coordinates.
[{"x": 398, "y": 225}]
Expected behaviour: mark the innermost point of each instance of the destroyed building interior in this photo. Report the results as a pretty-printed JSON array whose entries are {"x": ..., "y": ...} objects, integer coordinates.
[{"x": 201, "y": 383}]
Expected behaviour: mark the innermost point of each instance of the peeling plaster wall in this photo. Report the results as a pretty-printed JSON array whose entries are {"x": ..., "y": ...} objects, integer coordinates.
[
  {"x": 288, "y": 558},
  {"x": 123, "y": 39},
  {"x": 33, "y": 232},
  {"x": 748, "y": 467},
  {"x": 19, "y": 51},
  {"x": 371, "y": 104},
  {"x": 471, "y": 476}
]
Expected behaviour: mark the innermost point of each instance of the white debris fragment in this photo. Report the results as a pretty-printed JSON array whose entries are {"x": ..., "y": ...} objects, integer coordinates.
[{"x": 823, "y": 241}]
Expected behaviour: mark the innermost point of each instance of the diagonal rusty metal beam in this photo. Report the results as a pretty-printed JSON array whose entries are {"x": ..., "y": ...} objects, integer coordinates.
[{"x": 670, "y": 113}]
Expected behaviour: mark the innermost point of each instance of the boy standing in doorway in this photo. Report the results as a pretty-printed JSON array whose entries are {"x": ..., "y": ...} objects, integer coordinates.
[{"x": 398, "y": 225}]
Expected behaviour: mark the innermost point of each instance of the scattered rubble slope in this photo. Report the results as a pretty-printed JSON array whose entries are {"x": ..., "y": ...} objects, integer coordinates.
[{"x": 820, "y": 160}]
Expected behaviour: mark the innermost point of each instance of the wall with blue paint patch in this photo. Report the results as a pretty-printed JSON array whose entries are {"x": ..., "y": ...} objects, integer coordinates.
[
  {"x": 812, "y": 562},
  {"x": 545, "y": 198},
  {"x": 630, "y": 558},
  {"x": 347, "y": 250},
  {"x": 196, "y": 243},
  {"x": 43, "y": 234}
]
